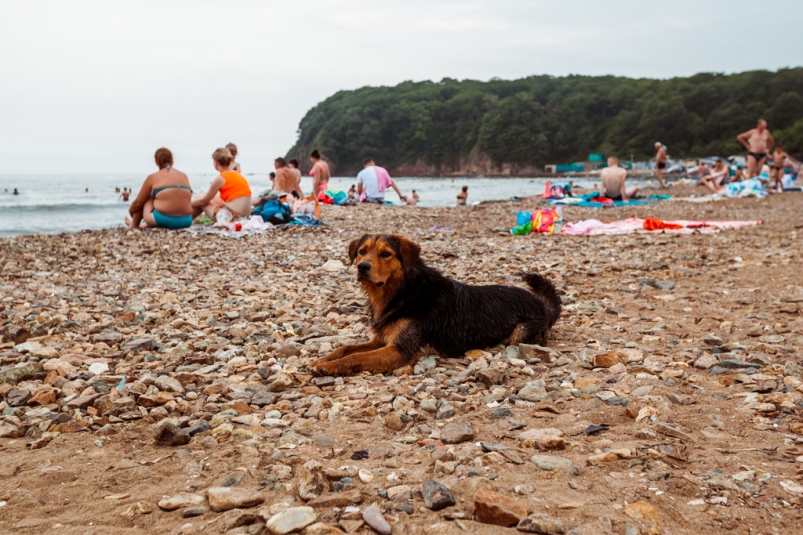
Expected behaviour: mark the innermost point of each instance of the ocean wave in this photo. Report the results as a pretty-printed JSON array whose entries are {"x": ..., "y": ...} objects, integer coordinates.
[{"x": 66, "y": 207}]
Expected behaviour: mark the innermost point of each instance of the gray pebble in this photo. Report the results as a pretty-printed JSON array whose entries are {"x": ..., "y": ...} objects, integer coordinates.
[{"x": 373, "y": 517}]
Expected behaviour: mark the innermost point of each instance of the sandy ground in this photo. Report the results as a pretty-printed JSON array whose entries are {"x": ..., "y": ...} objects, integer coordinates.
[{"x": 688, "y": 348}]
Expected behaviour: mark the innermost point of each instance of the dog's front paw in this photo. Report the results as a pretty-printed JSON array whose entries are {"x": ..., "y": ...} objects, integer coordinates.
[
  {"x": 323, "y": 367},
  {"x": 315, "y": 367}
]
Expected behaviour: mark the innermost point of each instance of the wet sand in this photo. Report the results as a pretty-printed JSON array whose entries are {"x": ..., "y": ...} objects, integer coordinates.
[{"x": 688, "y": 348}]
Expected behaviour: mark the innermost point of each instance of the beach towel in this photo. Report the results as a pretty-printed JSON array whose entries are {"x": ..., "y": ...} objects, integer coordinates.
[
  {"x": 657, "y": 224},
  {"x": 235, "y": 229},
  {"x": 698, "y": 200},
  {"x": 337, "y": 197},
  {"x": 594, "y": 200},
  {"x": 305, "y": 220},
  {"x": 596, "y": 204},
  {"x": 382, "y": 178},
  {"x": 790, "y": 183},
  {"x": 594, "y": 227},
  {"x": 753, "y": 187}
]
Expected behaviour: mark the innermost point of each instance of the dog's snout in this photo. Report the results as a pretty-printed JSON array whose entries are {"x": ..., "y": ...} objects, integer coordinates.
[{"x": 363, "y": 267}]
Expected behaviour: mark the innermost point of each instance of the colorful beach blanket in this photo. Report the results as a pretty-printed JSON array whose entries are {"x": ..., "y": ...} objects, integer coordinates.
[{"x": 593, "y": 200}]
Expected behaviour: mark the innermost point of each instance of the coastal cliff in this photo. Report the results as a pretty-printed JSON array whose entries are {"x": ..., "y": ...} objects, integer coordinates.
[{"x": 513, "y": 128}]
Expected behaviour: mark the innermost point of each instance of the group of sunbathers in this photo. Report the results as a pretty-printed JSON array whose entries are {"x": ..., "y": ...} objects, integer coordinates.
[
  {"x": 166, "y": 199},
  {"x": 717, "y": 177},
  {"x": 758, "y": 142}
]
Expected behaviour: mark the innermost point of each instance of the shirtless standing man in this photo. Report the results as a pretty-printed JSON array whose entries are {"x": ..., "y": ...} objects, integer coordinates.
[
  {"x": 320, "y": 173},
  {"x": 613, "y": 182},
  {"x": 758, "y": 142},
  {"x": 660, "y": 163}
]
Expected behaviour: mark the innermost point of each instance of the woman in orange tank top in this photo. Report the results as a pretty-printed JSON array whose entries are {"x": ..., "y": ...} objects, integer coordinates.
[{"x": 229, "y": 189}]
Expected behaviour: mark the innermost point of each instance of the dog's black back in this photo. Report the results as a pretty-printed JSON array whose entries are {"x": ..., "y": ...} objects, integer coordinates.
[{"x": 451, "y": 318}]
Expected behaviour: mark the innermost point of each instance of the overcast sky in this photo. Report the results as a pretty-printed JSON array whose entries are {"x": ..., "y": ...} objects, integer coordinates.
[{"x": 97, "y": 86}]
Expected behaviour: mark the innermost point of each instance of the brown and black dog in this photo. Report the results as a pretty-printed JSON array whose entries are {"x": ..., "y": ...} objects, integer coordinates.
[{"x": 415, "y": 309}]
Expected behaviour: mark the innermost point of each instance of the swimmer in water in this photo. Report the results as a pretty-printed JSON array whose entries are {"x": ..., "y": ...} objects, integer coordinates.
[{"x": 15, "y": 191}]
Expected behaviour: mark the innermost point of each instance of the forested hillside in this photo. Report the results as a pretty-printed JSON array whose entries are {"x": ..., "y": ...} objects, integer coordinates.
[{"x": 479, "y": 127}]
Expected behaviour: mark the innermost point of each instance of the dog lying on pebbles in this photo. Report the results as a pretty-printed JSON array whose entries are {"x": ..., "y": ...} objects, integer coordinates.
[{"x": 414, "y": 309}]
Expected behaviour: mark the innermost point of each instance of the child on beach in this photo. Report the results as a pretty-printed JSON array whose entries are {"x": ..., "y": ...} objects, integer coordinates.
[
  {"x": 412, "y": 200},
  {"x": 462, "y": 197},
  {"x": 229, "y": 189},
  {"x": 235, "y": 165},
  {"x": 779, "y": 159},
  {"x": 352, "y": 193}
]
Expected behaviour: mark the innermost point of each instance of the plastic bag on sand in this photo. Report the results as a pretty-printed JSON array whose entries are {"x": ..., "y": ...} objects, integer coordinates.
[{"x": 223, "y": 218}]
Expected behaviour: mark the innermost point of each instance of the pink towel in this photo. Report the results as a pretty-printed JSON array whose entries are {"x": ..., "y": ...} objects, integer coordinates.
[
  {"x": 593, "y": 227},
  {"x": 382, "y": 178}
]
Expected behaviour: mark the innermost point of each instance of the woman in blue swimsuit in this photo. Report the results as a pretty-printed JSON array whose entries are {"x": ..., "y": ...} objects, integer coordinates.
[{"x": 165, "y": 198}]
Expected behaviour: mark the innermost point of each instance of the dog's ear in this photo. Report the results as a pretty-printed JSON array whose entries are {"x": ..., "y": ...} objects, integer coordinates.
[
  {"x": 410, "y": 252},
  {"x": 354, "y": 246}
]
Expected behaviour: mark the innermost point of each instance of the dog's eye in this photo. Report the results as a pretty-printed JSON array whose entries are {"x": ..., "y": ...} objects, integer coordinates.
[
  {"x": 363, "y": 251},
  {"x": 385, "y": 254}
]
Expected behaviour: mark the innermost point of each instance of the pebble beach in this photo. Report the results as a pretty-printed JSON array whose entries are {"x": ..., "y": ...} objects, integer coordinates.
[{"x": 156, "y": 382}]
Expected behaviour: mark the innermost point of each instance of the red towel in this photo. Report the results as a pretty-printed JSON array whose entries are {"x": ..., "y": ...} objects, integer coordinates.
[{"x": 657, "y": 224}]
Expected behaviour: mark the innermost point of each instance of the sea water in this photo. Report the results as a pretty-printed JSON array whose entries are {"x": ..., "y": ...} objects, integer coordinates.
[{"x": 69, "y": 203}]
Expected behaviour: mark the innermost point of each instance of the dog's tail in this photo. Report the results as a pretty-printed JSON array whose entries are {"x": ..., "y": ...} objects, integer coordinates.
[{"x": 543, "y": 288}]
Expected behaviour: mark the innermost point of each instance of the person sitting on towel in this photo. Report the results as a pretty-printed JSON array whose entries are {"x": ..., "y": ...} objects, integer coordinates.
[
  {"x": 716, "y": 179},
  {"x": 229, "y": 189},
  {"x": 613, "y": 182}
]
